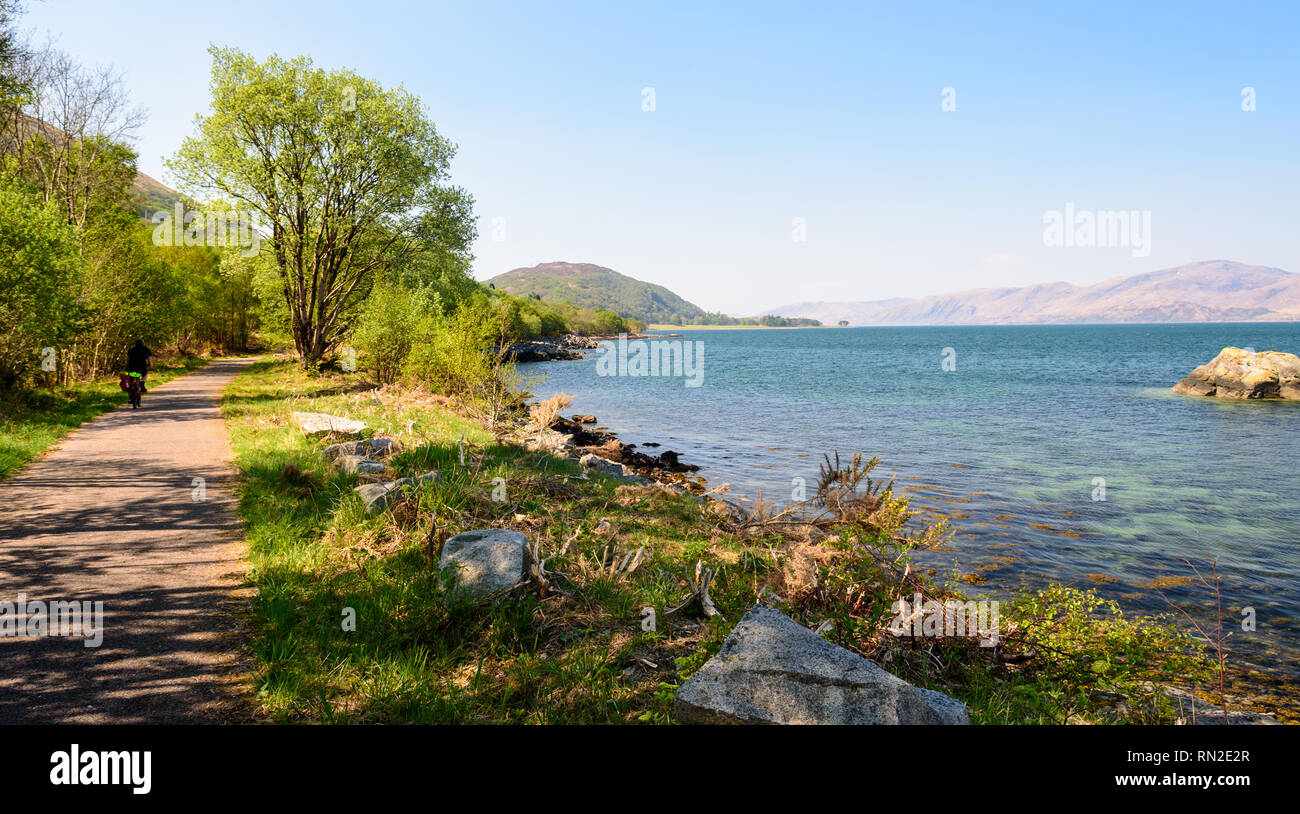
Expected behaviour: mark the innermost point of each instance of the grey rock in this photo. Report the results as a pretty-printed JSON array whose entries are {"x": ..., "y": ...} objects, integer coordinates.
[
  {"x": 324, "y": 423},
  {"x": 575, "y": 342},
  {"x": 556, "y": 443},
  {"x": 379, "y": 496},
  {"x": 772, "y": 670},
  {"x": 611, "y": 468},
  {"x": 682, "y": 490},
  {"x": 383, "y": 447},
  {"x": 541, "y": 350},
  {"x": 486, "y": 560},
  {"x": 359, "y": 464},
  {"x": 369, "y": 447}
]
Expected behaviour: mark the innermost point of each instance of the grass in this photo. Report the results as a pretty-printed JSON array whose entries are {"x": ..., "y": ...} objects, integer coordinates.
[
  {"x": 32, "y": 421},
  {"x": 352, "y": 622},
  {"x": 420, "y": 651}
]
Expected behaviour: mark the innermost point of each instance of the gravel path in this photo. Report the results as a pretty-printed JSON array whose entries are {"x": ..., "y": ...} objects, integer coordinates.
[{"x": 111, "y": 515}]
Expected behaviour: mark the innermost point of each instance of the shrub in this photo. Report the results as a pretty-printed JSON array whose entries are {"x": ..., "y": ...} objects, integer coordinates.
[
  {"x": 544, "y": 413},
  {"x": 39, "y": 282},
  {"x": 386, "y": 330},
  {"x": 464, "y": 355}
]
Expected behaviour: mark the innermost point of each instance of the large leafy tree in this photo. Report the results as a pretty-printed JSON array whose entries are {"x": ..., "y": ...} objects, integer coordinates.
[{"x": 346, "y": 175}]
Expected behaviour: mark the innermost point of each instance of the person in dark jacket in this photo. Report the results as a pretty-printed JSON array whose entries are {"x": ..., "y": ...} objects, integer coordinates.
[{"x": 137, "y": 361}]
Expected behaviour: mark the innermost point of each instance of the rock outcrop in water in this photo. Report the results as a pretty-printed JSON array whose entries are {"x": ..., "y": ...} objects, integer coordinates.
[
  {"x": 556, "y": 349},
  {"x": 1245, "y": 374}
]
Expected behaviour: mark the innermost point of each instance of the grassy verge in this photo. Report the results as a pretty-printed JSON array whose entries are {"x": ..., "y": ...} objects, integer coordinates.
[
  {"x": 32, "y": 421},
  {"x": 419, "y": 652}
]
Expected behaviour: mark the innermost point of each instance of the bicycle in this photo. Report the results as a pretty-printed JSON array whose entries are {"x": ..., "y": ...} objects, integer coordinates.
[{"x": 132, "y": 384}]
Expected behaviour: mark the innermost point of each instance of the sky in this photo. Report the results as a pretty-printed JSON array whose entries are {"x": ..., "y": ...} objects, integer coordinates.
[{"x": 750, "y": 155}]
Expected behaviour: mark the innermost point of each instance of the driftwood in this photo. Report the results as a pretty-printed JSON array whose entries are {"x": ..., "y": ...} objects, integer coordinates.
[
  {"x": 538, "y": 576},
  {"x": 699, "y": 586}
]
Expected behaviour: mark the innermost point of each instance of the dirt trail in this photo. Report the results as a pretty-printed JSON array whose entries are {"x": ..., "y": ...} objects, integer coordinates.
[{"x": 111, "y": 516}]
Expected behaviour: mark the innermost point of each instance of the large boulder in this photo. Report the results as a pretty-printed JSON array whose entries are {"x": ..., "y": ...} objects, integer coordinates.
[
  {"x": 324, "y": 423},
  {"x": 379, "y": 496},
  {"x": 1245, "y": 374},
  {"x": 772, "y": 670},
  {"x": 486, "y": 561}
]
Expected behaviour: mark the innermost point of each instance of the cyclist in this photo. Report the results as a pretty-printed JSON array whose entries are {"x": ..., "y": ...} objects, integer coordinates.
[{"x": 137, "y": 361}]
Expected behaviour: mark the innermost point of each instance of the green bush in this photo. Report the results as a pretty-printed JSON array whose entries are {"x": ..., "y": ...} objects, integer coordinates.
[
  {"x": 386, "y": 330},
  {"x": 459, "y": 352},
  {"x": 40, "y": 273}
]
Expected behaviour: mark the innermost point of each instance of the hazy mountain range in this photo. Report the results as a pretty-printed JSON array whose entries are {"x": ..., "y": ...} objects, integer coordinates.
[{"x": 1209, "y": 291}]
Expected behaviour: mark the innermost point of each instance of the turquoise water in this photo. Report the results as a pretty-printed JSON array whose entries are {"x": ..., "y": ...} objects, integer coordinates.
[{"x": 1010, "y": 442}]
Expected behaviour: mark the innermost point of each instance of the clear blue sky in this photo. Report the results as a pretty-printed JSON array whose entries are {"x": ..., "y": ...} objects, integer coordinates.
[{"x": 774, "y": 111}]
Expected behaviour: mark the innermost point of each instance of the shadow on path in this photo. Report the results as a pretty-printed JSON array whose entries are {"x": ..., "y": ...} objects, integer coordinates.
[{"x": 115, "y": 515}]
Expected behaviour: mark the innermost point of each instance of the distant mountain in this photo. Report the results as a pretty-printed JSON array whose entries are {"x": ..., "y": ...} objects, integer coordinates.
[
  {"x": 1210, "y": 291},
  {"x": 590, "y": 286},
  {"x": 149, "y": 195}
]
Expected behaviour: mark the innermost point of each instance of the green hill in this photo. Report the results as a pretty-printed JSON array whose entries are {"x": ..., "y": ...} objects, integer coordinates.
[
  {"x": 591, "y": 286},
  {"x": 150, "y": 196}
]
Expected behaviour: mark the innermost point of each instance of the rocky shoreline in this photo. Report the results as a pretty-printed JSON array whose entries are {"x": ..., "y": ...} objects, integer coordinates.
[
  {"x": 566, "y": 348},
  {"x": 600, "y": 449},
  {"x": 603, "y": 451}
]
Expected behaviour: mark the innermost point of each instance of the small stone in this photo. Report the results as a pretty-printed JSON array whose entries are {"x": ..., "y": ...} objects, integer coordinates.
[
  {"x": 358, "y": 464},
  {"x": 486, "y": 560},
  {"x": 772, "y": 670},
  {"x": 612, "y": 469},
  {"x": 382, "y": 447},
  {"x": 379, "y": 496},
  {"x": 324, "y": 423},
  {"x": 334, "y": 451},
  {"x": 370, "y": 448},
  {"x": 552, "y": 441}
]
